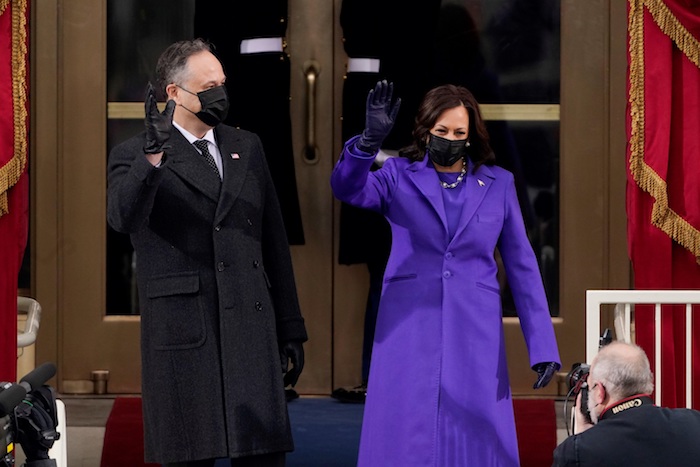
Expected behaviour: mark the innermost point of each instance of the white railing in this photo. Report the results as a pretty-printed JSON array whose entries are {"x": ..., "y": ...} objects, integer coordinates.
[
  {"x": 623, "y": 301},
  {"x": 32, "y": 309}
]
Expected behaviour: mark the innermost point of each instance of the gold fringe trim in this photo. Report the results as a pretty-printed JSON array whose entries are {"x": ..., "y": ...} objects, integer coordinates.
[
  {"x": 673, "y": 28},
  {"x": 662, "y": 216},
  {"x": 13, "y": 170}
]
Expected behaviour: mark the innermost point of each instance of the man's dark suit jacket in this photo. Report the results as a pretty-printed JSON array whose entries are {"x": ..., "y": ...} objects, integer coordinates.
[
  {"x": 217, "y": 296},
  {"x": 636, "y": 433}
]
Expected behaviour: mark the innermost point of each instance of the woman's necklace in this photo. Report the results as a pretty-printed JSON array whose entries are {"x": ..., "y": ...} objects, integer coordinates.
[{"x": 460, "y": 177}]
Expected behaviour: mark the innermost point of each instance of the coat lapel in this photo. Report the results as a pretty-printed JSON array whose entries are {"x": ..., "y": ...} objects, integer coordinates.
[
  {"x": 235, "y": 160},
  {"x": 477, "y": 185},
  {"x": 429, "y": 185},
  {"x": 188, "y": 164}
]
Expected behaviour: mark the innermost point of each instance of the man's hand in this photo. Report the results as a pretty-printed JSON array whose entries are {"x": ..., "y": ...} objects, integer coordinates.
[
  {"x": 379, "y": 117},
  {"x": 294, "y": 351},
  {"x": 159, "y": 126},
  {"x": 581, "y": 423}
]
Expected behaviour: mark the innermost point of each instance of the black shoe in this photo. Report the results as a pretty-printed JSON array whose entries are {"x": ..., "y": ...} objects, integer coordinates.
[
  {"x": 290, "y": 394},
  {"x": 356, "y": 395}
]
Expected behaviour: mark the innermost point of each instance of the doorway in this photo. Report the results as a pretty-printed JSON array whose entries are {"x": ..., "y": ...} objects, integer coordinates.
[{"x": 72, "y": 112}]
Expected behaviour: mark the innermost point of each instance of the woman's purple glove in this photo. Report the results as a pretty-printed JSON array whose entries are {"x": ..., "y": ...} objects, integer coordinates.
[
  {"x": 379, "y": 118},
  {"x": 545, "y": 372}
]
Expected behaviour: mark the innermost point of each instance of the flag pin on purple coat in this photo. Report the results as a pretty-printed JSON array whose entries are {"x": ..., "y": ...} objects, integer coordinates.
[{"x": 234, "y": 155}]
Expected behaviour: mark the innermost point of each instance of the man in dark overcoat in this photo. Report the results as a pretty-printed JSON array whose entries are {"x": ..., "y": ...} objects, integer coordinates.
[{"x": 220, "y": 318}]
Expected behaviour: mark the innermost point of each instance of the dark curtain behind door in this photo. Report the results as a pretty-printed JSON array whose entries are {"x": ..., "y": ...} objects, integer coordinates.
[{"x": 258, "y": 87}]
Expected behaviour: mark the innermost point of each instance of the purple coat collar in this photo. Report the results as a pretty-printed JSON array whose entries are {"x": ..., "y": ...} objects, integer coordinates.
[{"x": 477, "y": 184}]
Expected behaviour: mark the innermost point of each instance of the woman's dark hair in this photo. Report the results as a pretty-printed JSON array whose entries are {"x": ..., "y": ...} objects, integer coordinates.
[{"x": 435, "y": 102}]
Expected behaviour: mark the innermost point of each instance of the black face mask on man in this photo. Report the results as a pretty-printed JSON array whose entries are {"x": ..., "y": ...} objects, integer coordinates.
[
  {"x": 214, "y": 103},
  {"x": 445, "y": 152}
]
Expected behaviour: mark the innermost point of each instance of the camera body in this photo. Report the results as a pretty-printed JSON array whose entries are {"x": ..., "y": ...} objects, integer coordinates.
[
  {"x": 28, "y": 417},
  {"x": 8, "y": 437},
  {"x": 578, "y": 382},
  {"x": 6, "y": 440},
  {"x": 31, "y": 424},
  {"x": 578, "y": 377}
]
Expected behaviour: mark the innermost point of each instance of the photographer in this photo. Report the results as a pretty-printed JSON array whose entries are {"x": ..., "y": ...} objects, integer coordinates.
[{"x": 628, "y": 429}]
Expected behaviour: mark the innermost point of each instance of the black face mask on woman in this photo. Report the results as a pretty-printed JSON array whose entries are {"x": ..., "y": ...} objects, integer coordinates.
[
  {"x": 446, "y": 152},
  {"x": 214, "y": 103}
]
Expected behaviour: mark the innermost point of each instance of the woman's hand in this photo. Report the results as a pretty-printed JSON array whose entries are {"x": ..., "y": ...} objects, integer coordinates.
[
  {"x": 545, "y": 372},
  {"x": 379, "y": 118}
]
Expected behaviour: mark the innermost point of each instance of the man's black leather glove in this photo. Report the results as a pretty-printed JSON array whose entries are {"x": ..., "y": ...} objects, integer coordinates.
[
  {"x": 294, "y": 351},
  {"x": 159, "y": 126},
  {"x": 379, "y": 117},
  {"x": 545, "y": 372}
]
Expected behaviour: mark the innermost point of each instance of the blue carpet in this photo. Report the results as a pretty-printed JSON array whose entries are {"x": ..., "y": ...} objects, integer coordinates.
[{"x": 326, "y": 433}]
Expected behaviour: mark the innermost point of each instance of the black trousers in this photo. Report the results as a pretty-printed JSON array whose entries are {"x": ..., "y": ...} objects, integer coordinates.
[{"x": 276, "y": 459}]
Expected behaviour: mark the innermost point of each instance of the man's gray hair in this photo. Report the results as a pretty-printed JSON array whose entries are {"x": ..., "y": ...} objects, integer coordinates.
[
  {"x": 172, "y": 63},
  {"x": 623, "y": 369}
]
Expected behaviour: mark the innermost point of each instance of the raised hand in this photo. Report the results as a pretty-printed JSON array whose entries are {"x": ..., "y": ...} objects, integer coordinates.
[
  {"x": 159, "y": 126},
  {"x": 379, "y": 118}
]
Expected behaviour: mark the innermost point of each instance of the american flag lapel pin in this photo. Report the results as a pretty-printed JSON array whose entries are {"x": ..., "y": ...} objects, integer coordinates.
[
  {"x": 234, "y": 155},
  {"x": 480, "y": 182}
]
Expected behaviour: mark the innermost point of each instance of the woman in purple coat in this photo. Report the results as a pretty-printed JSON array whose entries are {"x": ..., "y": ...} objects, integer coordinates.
[{"x": 439, "y": 393}]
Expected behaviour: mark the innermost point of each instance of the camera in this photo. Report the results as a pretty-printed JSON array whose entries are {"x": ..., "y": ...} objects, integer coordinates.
[
  {"x": 28, "y": 417},
  {"x": 577, "y": 378}
]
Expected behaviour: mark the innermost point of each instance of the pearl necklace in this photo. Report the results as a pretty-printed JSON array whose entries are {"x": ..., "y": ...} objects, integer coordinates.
[{"x": 460, "y": 177}]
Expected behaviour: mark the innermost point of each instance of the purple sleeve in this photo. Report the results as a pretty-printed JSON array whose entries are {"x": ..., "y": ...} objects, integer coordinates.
[
  {"x": 526, "y": 284},
  {"x": 353, "y": 183}
]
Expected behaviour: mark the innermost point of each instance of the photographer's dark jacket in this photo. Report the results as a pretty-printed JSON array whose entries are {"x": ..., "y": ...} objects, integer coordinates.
[
  {"x": 216, "y": 292},
  {"x": 635, "y": 432}
]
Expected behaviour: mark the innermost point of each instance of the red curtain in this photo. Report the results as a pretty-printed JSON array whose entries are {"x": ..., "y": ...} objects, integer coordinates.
[
  {"x": 14, "y": 80},
  {"x": 663, "y": 193}
]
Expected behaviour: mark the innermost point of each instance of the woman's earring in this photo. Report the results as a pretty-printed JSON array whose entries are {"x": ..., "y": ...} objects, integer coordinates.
[{"x": 467, "y": 144}]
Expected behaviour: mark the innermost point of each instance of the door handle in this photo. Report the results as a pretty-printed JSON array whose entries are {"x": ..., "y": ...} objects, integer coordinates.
[{"x": 311, "y": 70}]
